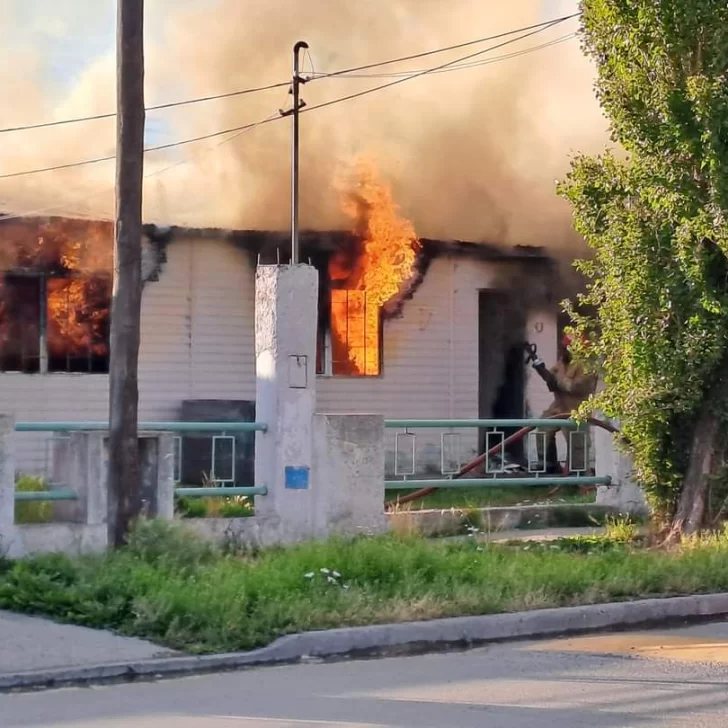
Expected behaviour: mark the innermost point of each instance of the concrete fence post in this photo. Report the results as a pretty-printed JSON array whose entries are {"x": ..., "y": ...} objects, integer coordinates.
[
  {"x": 78, "y": 464},
  {"x": 348, "y": 474},
  {"x": 164, "y": 507},
  {"x": 624, "y": 495},
  {"x": 286, "y": 316},
  {"x": 10, "y": 546}
]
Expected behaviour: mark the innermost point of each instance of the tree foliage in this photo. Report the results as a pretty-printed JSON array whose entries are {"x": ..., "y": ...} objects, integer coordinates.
[{"x": 654, "y": 212}]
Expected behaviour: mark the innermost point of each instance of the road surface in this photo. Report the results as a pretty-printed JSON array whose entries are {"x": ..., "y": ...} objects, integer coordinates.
[{"x": 667, "y": 678}]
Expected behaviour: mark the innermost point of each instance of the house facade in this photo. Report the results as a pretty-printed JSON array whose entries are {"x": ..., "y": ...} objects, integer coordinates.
[{"x": 450, "y": 350}]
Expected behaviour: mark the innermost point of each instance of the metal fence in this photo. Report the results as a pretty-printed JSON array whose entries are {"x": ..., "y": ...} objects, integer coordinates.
[
  {"x": 494, "y": 464},
  {"x": 221, "y": 471}
]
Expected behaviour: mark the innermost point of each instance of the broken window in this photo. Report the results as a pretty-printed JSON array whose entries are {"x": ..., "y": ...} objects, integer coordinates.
[
  {"x": 20, "y": 316},
  {"x": 54, "y": 324},
  {"x": 350, "y": 336}
]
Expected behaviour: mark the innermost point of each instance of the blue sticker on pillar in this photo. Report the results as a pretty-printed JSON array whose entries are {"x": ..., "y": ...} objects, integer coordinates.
[{"x": 296, "y": 478}]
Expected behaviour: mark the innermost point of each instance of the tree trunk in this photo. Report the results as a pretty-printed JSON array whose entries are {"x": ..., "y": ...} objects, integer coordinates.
[
  {"x": 706, "y": 461},
  {"x": 124, "y": 468}
]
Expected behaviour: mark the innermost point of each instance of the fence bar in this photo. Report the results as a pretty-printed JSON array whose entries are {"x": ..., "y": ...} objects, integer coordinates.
[
  {"x": 476, "y": 424},
  {"x": 46, "y": 495},
  {"x": 220, "y": 492},
  {"x": 494, "y": 482},
  {"x": 143, "y": 426}
]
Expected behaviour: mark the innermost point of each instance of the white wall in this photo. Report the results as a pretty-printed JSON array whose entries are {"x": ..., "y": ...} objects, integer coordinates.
[
  {"x": 431, "y": 360},
  {"x": 198, "y": 343}
]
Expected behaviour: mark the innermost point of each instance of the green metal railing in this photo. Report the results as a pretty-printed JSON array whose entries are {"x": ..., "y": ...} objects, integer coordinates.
[
  {"x": 476, "y": 424},
  {"x": 548, "y": 480},
  {"x": 45, "y": 495},
  {"x": 220, "y": 492},
  {"x": 176, "y": 427},
  {"x": 143, "y": 427},
  {"x": 455, "y": 478}
]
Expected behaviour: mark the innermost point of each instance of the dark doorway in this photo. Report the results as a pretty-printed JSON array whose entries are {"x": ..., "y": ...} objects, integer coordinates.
[{"x": 502, "y": 373}]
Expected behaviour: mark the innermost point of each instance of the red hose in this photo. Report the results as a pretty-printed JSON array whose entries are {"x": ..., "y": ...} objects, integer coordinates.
[{"x": 515, "y": 437}]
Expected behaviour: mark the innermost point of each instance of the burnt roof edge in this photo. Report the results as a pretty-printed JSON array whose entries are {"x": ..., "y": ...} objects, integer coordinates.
[{"x": 265, "y": 241}]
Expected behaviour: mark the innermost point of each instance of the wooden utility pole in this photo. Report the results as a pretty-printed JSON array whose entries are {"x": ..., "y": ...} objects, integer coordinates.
[{"x": 124, "y": 470}]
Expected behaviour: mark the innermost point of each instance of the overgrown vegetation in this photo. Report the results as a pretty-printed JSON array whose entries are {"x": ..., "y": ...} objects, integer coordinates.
[
  {"x": 169, "y": 587},
  {"x": 32, "y": 511},
  {"x": 656, "y": 219},
  {"x": 485, "y": 497},
  {"x": 214, "y": 507}
]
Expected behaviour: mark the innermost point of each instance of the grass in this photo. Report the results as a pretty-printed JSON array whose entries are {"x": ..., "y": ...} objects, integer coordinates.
[
  {"x": 214, "y": 507},
  {"x": 177, "y": 591},
  {"x": 485, "y": 497},
  {"x": 32, "y": 511}
]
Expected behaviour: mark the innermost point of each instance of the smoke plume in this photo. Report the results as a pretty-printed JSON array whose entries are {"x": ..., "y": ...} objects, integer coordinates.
[{"x": 471, "y": 154}]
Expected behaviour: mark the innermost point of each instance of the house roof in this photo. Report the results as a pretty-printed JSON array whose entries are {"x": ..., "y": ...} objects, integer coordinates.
[
  {"x": 271, "y": 246},
  {"x": 274, "y": 244}
]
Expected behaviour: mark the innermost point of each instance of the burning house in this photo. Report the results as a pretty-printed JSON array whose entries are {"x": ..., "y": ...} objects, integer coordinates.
[{"x": 408, "y": 327}]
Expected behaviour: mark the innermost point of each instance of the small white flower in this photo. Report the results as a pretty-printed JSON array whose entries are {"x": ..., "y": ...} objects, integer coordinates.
[
  {"x": 331, "y": 580},
  {"x": 337, "y": 575},
  {"x": 310, "y": 575},
  {"x": 346, "y": 586},
  {"x": 325, "y": 571},
  {"x": 480, "y": 548}
]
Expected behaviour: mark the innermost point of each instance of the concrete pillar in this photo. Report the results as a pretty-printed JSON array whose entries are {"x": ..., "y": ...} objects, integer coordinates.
[
  {"x": 286, "y": 315},
  {"x": 164, "y": 507},
  {"x": 348, "y": 474},
  {"x": 624, "y": 494},
  {"x": 78, "y": 463},
  {"x": 156, "y": 453},
  {"x": 10, "y": 546}
]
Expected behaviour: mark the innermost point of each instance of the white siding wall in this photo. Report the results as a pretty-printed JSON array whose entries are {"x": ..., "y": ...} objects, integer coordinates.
[
  {"x": 430, "y": 360},
  {"x": 198, "y": 343}
]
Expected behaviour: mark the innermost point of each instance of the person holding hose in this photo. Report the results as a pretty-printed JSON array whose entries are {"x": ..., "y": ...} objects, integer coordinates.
[{"x": 571, "y": 385}]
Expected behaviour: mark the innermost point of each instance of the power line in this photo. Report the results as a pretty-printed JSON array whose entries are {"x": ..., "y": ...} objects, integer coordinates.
[
  {"x": 541, "y": 28},
  {"x": 536, "y": 26},
  {"x": 315, "y": 76},
  {"x": 86, "y": 198},
  {"x": 428, "y": 71},
  {"x": 158, "y": 107},
  {"x": 472, "y": 64}
]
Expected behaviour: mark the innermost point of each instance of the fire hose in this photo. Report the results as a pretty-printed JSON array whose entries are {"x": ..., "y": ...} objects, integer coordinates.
[{"x": 515, "y": 437}]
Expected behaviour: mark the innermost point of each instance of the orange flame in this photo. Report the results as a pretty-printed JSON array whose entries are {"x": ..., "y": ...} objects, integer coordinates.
[
  {"x": 75, "y": 260},
  {"x": 364, "y": 280}
]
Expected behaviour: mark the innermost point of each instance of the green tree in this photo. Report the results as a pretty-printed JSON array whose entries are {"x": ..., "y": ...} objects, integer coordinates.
[{"x": 654, "y": 212}]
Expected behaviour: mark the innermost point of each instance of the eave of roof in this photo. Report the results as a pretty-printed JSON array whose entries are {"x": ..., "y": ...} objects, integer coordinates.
[{"x": 274, "y": 243}]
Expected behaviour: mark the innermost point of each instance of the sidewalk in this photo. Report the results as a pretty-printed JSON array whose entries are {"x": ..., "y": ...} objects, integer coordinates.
[
  {"x": 35, "y": 653},
  {"x": 31, "y": 643}
]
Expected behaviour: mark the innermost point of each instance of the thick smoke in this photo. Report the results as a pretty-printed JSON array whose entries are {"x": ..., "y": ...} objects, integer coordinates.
[{"x": 471, "y": 154}]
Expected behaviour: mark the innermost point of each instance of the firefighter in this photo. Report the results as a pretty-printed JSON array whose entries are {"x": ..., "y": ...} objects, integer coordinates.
[{"x": 571, "y": 386}]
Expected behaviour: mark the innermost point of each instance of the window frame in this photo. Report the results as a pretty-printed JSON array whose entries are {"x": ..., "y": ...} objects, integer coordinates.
[
  {"x": 324, "y": 343},
  {"x": 44, "y": 359}
]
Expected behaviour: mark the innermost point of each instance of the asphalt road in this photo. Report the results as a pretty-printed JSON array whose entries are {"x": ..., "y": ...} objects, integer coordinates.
[{"x": 676, "y": 678}]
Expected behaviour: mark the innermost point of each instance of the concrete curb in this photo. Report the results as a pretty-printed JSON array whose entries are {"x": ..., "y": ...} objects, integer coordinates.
[{"x": 407, "y": 637}]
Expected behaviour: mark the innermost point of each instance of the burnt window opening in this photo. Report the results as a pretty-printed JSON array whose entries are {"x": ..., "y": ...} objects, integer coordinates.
[
  {"x": 51, "y": 323},
  {"x": 349, "y": 338}
]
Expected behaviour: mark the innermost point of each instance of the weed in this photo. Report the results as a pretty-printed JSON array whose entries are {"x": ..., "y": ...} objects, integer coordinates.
[
  {"x": 214, "y": 506},
  {"x": 32, "y": 511},
  {"x": 621, "y": 529},
  {"x": 170, "y": 587}
]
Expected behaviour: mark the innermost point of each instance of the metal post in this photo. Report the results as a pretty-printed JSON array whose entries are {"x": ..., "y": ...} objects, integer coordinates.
[{"x": 297, "y": 106}]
